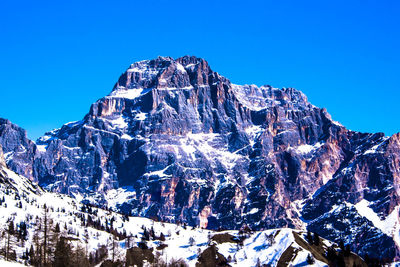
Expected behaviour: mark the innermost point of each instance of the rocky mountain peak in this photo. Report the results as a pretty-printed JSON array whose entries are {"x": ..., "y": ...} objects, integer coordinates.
[
  {"x": 165, "y": 73},
  {"x": 19, "y": 151},
  {"x": 176, "y": 141}
]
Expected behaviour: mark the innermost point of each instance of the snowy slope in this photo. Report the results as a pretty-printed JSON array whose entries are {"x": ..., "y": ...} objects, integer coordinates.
[{"x": 24, "y": 201}]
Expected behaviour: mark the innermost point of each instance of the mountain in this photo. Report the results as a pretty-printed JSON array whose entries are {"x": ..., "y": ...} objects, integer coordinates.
[
  {"x": 177, "y": 142},
  {"x": 90, "y": 229}
]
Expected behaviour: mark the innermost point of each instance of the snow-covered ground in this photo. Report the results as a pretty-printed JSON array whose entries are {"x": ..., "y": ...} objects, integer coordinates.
[
  {"x": 4, "y": 263},
  {"x": 24, "y": 201}
]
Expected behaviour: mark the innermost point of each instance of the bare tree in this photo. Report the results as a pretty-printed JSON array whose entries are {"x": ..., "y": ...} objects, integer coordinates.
[{"x": 8, "y": 235}]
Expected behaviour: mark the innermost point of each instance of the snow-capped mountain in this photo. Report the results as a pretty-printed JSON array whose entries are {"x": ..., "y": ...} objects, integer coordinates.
[
  {"x": 29, "y": 209},
  {"x": 177, "y": 142}
]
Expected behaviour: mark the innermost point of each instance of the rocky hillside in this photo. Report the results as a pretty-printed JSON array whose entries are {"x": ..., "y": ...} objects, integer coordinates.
[
  {"x": 132, "y": 240},
  {"x": 176, "y": 141}
]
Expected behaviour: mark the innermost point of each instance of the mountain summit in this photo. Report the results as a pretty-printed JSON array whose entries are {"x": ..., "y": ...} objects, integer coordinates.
[{"x": 176, "y": 141}]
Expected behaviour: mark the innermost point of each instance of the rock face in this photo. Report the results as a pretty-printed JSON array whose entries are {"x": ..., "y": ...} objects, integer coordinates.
[
  {"x": 19, "y": 151},
  {"x": 176, "y": 141}
]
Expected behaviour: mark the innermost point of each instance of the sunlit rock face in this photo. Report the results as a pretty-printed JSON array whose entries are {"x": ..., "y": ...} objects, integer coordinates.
[{"x": 176, "y": 141}]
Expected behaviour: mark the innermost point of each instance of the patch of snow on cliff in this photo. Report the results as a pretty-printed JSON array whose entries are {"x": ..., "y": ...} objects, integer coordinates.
[
  {"x": 375, "y": 148},
  {"x": 387, "y": 225},
  {"x": 306, "y": 149},
  {"x": 180, "y": 68},
  {"x": 127, "y": 137},
  {"x": 119, "y": 122},
  {"x": 250, "y": 97},
  {"x": 127, "y": 93},
  {"x": 41, "y": 148},
  {"x": 253, "y": 132},
  {"x": 140, "y": 116},
  {"x": 119, "y": 196}
]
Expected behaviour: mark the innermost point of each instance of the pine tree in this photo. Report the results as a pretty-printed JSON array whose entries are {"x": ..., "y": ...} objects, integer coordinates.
[
  {"x": 62, "y": 254},
  {"x": 113, "y": 247},
  {"x": 347, "y": 251},
  {"x": 309, "y": 237},
  {"x": 45, "y": 234},
  {"x": 36, "y": 249},
  {"x": 146, "y": 235},
  {"x": 316, "y": 239},
  {"x": 162, "y": 236},
  {"x": 192, "y": 241},
  {"x": 22, "y": 232},
  {"x": 310, "y": 259},
  {"x": 86, "y": 240},
  {"x": 341, "y": 245},
  {"x": 79, "y": 257},
  {"x": 9, "y": 242},
  {"x": 32, "y": 256}
]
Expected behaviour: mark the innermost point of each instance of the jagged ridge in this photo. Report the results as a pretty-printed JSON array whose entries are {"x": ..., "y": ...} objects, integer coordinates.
[{"x": 182, "y": 143}]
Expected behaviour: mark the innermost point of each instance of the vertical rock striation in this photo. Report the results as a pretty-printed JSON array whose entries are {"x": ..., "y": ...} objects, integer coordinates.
[{"x": 176, "y": 141}]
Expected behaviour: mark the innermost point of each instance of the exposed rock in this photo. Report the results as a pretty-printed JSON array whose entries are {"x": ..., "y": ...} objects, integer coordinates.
[
  {"x": 19, "y": 151},
  {"x": 211, "y": 257},
  {"x": 176, "y": 141},
  {"x": 138, "y": 256}
]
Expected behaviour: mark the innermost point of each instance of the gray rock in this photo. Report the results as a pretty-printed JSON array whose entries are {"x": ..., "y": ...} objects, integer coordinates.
[{"x": 187, "y": 145}]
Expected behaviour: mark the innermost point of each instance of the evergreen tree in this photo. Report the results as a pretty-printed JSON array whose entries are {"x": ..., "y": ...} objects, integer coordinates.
[
  {"x": 36, "y": 249},
  {"x": 309, "y": 237},
  {"x": 22, "y": 231},
  {"x": 347, "y": 251},
  {"x": 45, "y": 234},
  {"x": 316, "y": 239},
  {"x": 341, "y": 245},
  {"x": 146, "y": 235},
  {"x": 310, "y": 259},
  {"x": 192, "y": 241},
  {"x": 62, "y": 254},
  {"x": 9, "y": 253},
  {"x": 32, "y": 256},
  {"x": 162, "y": 236},
  {"x": 79, "y": 257}
]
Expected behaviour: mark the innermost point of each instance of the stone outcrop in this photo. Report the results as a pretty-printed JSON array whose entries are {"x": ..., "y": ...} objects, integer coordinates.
[{"x": 176, "y": 141}]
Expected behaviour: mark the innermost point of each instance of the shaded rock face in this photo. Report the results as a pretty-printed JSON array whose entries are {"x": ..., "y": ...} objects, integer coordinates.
[
  {"x": 19, "y": 151},
  {"x": 177, "y": 141}
]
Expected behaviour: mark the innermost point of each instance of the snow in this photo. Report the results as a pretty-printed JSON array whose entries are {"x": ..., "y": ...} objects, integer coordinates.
[
  {"x": 4, "y": 263},
  {"x": 180, "y": 68},
  {"x": 45, "y": 138},
  {"x": 204, "y": 144},
  {"x": 8, "y": 156},
  {"x": 175, "y": 88},
  {"x": 301, "y": 260},
  {"x": 95, "y": 129},
  {"x": 127, "y": 93},
  {"x": 159, "y": 173},
  {"x": 41, "y": 148},
  {"x": 119, "y": 122},
  {"x": 127, "y": 137},
  {"x": 387, "y": 225},
  {"x": 140, "y": 116},
  {"x": 190, "y": 65},
  {"x": 119, "y": 196},
  {"x": 250, "y": 97},
  {"x": 253, "y": 211},
  {"x": 253, "y": 132},
  {"x": 64, "y": 210},
  {"x": 375, "y": 148},
  {"x": 306, "y": 149}
]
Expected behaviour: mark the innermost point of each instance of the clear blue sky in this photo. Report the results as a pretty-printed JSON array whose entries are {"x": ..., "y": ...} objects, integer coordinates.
[{"x": 58, "y": 57}]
